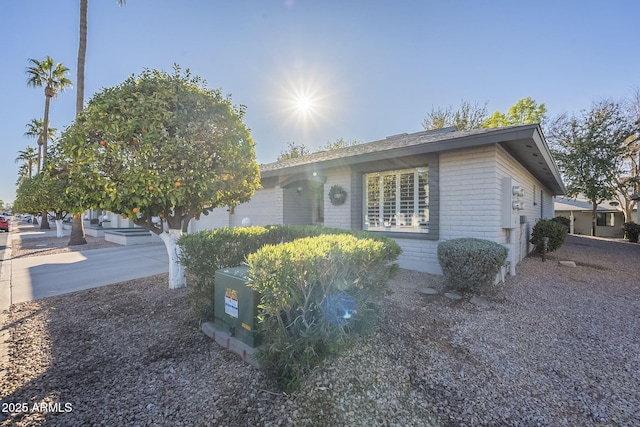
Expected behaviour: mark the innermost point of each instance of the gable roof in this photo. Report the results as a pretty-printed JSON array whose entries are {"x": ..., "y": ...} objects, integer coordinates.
[
  {"x": 579, "y": 205},
  {"x": 524, "y": 142}
]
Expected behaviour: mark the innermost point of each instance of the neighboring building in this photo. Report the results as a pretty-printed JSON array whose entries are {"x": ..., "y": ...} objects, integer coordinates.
[
  {"x": 419, "y": 189},
  {"x": 579, "y": 211}
]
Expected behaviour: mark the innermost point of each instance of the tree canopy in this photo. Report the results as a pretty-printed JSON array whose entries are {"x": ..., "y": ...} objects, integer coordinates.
[
  {"x": 339, "y": 143},
  {"x": 161, "y": 148},
  {"x": 466, "y": 117},
  {"x": 474, "y": 116},
  {"x": 525, "y": 111},
  {"x": 590, "y": 150},
  {"x": 163, "y": 144},
  {"x": 294, "y": 150}
]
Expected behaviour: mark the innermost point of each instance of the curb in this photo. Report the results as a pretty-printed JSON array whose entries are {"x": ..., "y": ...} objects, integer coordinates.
[
  {"x": 5, "y": 305},
  {"x": 5, "y": 275}
]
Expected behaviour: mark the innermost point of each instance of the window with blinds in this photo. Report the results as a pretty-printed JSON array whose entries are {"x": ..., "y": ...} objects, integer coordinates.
[{"x": 397, "y": 201}]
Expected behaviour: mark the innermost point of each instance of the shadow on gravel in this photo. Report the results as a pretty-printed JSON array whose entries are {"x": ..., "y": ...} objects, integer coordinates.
[{"x": 118, "y": 356}]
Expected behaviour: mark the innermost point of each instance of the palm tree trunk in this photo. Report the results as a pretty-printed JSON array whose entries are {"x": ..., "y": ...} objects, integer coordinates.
[
  {"x": 39, "y": 153},
  {"x": 77, "y": 236},
  {"x": 45, "y": 125},
  {"x": 44, "y": 224},
  {"x": 82, "y": 53}
]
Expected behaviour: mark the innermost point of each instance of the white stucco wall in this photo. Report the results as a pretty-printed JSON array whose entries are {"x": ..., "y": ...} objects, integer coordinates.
[{"x": 264, "y": 208}]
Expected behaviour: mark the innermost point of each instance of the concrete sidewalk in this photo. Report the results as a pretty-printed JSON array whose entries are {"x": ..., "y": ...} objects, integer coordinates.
[{"x": 31, "y": 278}]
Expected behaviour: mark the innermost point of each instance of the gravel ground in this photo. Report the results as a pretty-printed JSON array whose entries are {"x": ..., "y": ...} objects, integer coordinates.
[{"x": 553, "y": 346}]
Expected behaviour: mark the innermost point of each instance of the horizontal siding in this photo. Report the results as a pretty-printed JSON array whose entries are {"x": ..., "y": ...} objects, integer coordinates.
[
  {"x": 469, "y": 195},
  {"x": 338, "y": 216},
  {"x": 419, "y": 255},
  {"x": 538, "y": 202}
]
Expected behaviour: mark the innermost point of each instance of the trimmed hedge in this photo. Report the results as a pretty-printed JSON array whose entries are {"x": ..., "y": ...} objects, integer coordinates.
[
  {"x": 554, "y": 230},
  {"x": 469, "y": 263},
  {"x": 205, "y": 252},
  {"x": 564, "y": 221},
  {"x": 631, "y": 231},
  {"x": 316, "y": 292}
]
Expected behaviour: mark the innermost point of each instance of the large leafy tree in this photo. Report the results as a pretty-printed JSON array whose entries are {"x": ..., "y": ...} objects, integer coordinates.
[
  {"x": 524, "y": 111},
  {"x": 44, "y": 192},
  {"x": 590, "y": 150},
  {"x": 162, "y": 148},
  {"x": 474, "y": 116},
  {"x": 50, "y": 190}
]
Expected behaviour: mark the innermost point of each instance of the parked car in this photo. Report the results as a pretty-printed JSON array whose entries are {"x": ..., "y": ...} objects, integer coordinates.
[
  {"x": 4, "y": 223},
  {"x": 28, "y": 218}
]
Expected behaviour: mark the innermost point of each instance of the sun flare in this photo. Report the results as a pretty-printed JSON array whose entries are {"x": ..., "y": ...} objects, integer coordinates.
[
  {"x": 303, "y": 104},
  {"x": 306, "y": 98}
]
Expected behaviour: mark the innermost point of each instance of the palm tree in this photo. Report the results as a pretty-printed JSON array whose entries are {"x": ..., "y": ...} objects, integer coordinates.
[
  {"x": 51, "y": 76},
  {"x": 35, "y": 130},
  {"x": 28, "y": 157},
  {"x": 77, "y": 227},
  {"x": 23, "y": 173}
]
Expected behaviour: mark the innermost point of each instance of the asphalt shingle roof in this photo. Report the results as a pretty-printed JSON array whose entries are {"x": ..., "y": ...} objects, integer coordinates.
[{"x": 389, "y": 143}]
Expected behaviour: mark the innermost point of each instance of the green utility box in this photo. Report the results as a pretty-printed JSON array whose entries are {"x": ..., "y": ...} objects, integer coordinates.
[{"x": 236, "y": 305}]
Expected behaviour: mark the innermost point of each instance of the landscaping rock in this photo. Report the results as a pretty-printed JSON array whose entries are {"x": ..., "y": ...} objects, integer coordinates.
[{"x": 568, "y": 263}]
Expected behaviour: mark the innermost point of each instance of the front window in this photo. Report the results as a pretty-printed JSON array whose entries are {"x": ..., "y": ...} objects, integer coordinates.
[
  {"x": 397, "y": 201},
  {"x": 605, "y": 219}
]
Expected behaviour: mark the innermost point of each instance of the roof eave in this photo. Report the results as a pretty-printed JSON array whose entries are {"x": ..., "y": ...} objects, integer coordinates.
[{"x": 509, "y": 137}]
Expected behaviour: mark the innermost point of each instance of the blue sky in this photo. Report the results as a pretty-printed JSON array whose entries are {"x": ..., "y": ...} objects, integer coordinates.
[{"x": 370, "y": 68}]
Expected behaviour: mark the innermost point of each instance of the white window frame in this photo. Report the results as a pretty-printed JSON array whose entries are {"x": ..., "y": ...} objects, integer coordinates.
[{"x": 390, "y": 218}]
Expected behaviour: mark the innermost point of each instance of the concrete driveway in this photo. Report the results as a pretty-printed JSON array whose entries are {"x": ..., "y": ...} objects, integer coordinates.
[{"x": 30, "y": 278}]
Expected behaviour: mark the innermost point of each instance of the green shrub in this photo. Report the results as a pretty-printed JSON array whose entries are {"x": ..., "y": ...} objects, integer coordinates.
[
  {"x": 205, "y": 252},
  {"x": 287, "y": 233},
  {"x": 631, "y": 231},
  {"x": 316, "y": 292},
  {"x": 554, "y": 230},
  {"x": 564, "y": 221},
  {"x": 468, "y": 263}
]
